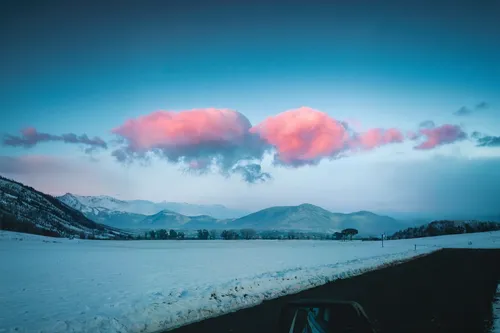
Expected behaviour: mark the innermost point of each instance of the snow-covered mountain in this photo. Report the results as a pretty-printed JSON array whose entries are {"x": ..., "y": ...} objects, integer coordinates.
[
  {"x": 307, "y": 217},
  {"x": 25, "y": 209},
  {"x": 88, "y": 204}
]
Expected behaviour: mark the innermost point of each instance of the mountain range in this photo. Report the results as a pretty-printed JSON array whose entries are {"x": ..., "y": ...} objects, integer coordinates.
[
  {"x": 95, "y": 204},
  {"x": 305, "y": 217},
  {"x": 25, "y": 209}
]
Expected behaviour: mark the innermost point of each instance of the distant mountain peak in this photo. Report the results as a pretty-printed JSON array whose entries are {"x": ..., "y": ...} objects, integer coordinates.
[
  {"x": 167, "y": 212},
  {"x": 308, "y": 205},
  {"x": 363, "y": 212}
]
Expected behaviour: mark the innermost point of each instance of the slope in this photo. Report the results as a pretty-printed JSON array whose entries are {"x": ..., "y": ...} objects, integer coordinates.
[
  {"x": 167, "y": 219},
  {"x": 307, "y": 217},
  {"x": 25, "y": 209}
]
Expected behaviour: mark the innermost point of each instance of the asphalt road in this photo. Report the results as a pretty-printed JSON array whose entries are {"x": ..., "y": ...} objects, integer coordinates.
[{"x": 447, "y": 291}]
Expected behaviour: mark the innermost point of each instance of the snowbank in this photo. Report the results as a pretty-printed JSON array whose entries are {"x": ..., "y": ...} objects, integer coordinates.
[{"x": 60, "y": 285}]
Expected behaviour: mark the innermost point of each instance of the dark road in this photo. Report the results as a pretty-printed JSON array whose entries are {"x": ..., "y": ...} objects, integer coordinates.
[{"x": 448, "y": 291}]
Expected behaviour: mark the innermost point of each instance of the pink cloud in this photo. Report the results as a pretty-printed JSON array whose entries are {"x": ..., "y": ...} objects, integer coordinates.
[
  {"x": 303, "y": 136},
  {"x": 376, "y": 137},
  {"x": 199, "y": 138},
  {"x": 411, "y": 135},
  {"x": 202, "y": 138},
  {"x": 185, "y": 128},
  {"x": 441, "y": 135},
  {"x": 226, "y": 138}
]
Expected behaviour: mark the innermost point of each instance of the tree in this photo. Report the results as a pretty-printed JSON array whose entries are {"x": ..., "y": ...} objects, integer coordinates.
[
  {"x": 349, "y": 232},
  {"x": 338, "y": 235},
  {"x": 248, "y": 233},
  {"x": 203, "y": 234},
  {"x": 145, "y": 235},
  {"x": 172, "y": 234},
  {"x": 152, "y": 234},
  {"x": 82, "y": 235},
  {"x": 180, "y": 235},
  {"x": 213, "y": 234},
  {"x": 162, "y": 234},
  {"x": 229, "y": 234}
]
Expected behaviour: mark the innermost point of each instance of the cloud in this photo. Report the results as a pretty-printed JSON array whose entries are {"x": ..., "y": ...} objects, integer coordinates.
[
  {"x": 482, "y": 106},
  {"x": 376, "y": 137},
  {"x": 411, "y": 135},
  {"x": 303, "y": 136},
  {"x": 427, "y": 124},
  {"x": 441, "y": 135},
  {"x": 483, "y": 140},
  {"x": 30, "y": 137},
  {"x": 199, "y": 138},
  {"x": 223, "y": 140},
  {"x": 252, "y": 173},
  {"x": 463, "y": 111}
]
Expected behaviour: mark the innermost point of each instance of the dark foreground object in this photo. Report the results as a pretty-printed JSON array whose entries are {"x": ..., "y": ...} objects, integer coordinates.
[{"x": 448, "y": 291}]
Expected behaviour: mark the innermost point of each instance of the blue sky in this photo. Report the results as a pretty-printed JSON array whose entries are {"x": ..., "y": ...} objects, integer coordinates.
[{"x": 86, "y": 69}]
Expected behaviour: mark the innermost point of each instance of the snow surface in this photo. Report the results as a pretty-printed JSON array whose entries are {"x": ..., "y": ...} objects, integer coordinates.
[{"x": 60, "y": 285}]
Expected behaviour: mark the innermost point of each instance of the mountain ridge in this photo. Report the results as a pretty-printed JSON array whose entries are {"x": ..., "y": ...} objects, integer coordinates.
[
  {"x": 25, "y": 209},
  {"x": 146, "y": 207},
  {"x": 309, "y": 217}
]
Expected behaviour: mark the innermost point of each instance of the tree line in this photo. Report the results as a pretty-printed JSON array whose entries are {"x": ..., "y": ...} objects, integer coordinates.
[
  {"x": 446, "y": 227},
  {"x": 246, "y": 234}
]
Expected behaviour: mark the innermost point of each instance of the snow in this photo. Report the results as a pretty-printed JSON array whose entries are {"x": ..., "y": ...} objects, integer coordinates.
[
  {"x": 496, "y": 312},
  {"x": 60, "y": 285}
]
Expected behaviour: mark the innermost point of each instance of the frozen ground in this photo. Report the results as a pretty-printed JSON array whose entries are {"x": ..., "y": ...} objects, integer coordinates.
[{"x": 58, "y": 285}]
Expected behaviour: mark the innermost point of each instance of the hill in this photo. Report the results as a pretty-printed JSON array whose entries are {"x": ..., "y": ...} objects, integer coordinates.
[
  {"x": 25, "y": 209},
  {"x": 311, "y": 218},
  {"x": 171, "y": 220}
]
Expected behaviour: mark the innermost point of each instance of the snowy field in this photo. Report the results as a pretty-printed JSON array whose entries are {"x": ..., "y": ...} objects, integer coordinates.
[{"x": 60, "y": 285}]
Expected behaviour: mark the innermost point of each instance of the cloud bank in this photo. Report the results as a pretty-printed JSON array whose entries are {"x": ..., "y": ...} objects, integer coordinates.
[
  {"x": 224, "y": 141},
  {"x": 210, "y": 139},
  {"x": 30, "y": 137}
]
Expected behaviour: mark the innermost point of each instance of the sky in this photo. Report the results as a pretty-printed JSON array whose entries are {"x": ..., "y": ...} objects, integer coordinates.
[{"x": 351, "y": 105}]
